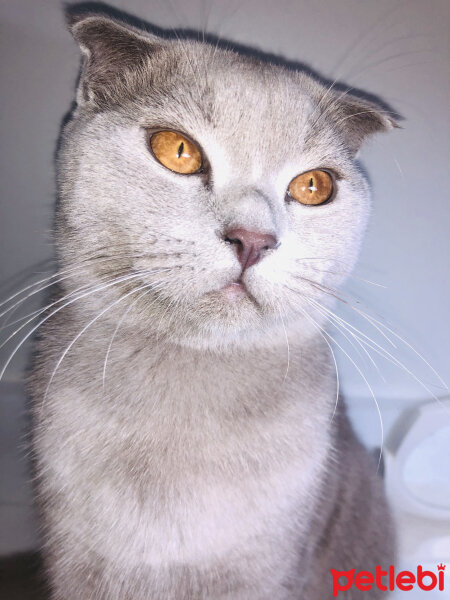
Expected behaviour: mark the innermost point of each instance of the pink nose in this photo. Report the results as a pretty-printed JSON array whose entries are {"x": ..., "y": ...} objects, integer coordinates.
[{"x": 250, "y": 245}]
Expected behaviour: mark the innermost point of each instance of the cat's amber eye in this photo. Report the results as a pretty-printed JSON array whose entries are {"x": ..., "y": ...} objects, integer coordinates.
[
  {"x": 311, "y": 188},
  {"x": 175, "y": 152}
]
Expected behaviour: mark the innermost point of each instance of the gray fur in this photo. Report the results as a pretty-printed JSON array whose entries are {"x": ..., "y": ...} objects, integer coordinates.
[{"x": 201, "y": 465}]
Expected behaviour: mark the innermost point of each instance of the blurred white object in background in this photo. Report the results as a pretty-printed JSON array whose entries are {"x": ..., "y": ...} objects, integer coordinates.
[
  {"x": 417, "y": 460},
  {"x": 417, "y": 474}
]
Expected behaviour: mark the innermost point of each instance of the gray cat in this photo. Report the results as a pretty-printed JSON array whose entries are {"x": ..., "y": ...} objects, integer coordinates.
[{"x": 188, "y": 438}]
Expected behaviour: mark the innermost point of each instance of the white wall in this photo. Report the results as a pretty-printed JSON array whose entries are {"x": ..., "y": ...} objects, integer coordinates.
[{"x": 399, "y": 50}]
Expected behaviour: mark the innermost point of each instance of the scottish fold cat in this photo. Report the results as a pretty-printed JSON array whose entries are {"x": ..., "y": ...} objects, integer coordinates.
[{"x": 187, "y": 431}]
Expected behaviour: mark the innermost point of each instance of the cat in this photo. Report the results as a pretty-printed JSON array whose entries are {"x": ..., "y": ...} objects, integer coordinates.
[{"x": 188, "y": 436}]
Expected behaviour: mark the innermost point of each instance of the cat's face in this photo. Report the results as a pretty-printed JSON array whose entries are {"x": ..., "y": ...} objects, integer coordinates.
[{"x": 230, "y": 246}]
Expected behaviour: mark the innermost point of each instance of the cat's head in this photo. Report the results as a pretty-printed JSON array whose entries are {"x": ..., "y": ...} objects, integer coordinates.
[{"x": 227, "y": 183}]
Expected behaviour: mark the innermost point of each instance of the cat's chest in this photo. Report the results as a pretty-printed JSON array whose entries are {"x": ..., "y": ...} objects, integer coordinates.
[
  {"x": 207, "y": 520},
  {"x": 185, "y": 494},
  {"x": 173, "y": 471}
]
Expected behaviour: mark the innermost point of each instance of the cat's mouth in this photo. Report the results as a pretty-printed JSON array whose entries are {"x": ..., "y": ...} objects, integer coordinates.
[
  {"x": 235, "y": 289},
  {"x": 234, "y": 292}
]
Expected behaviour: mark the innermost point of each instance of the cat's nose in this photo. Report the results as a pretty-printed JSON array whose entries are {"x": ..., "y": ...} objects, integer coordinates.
[{"x": 250, "y": 245}]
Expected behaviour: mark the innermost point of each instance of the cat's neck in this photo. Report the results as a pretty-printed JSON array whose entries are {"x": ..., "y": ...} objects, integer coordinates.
[
  {"x": 252, "y": 375},
  {"x": 143, "y": 372}
]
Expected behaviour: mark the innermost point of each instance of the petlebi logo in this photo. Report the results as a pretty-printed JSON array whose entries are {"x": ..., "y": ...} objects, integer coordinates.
[{"x": 388, "y": 580}]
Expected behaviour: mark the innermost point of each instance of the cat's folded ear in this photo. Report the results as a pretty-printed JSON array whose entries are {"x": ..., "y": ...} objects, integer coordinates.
[
  {"x": 357, "y": 118},
  {"x": 115, "y": 57}
]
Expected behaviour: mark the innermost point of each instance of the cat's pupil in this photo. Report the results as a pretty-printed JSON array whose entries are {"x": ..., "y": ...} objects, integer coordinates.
[
  {"x": 180, "y": 149},
  {"x": 311, "y": 186}
]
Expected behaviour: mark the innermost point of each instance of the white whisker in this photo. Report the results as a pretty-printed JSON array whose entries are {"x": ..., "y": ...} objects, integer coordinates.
[
  {"x": 287, "y": 343},
  {"x": 79, "y": 297},
  {"x": 147, "y": 291},
  {"x": 338, "y": 323},
  {"x": 67, "y": 273},
  {"x": 369, "y": 387},
  {"x": 403, "y": 341},
  {"x": 32, "y": 316},
  {"x": 85, "y": 328},
  {"x": 373, "y": 345}
]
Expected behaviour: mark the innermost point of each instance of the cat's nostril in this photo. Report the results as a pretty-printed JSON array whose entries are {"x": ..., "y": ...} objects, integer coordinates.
[
  {"x": 250, "y": 245},
  {"x": 232, "y": 240}
]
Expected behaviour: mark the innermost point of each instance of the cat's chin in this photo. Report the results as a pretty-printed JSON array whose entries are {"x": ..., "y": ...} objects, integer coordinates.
[
  {"x": 227, "y": 318},
  {"x": 223, "y": 337},
  {"x": 244, "y": 329}
]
